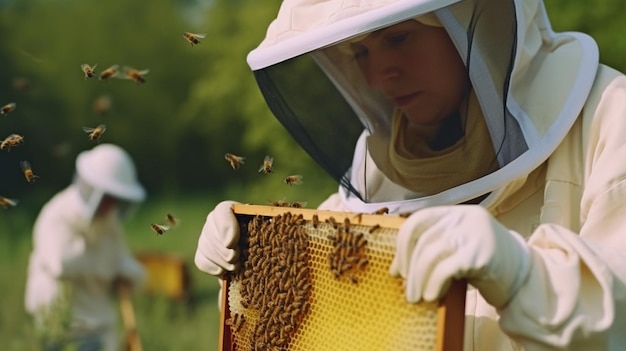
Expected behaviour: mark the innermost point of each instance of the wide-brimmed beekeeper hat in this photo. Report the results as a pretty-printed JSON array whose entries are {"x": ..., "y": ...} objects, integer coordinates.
[
  {"x": 107, "y": 169},
  {"x": 530, "y": 82}
]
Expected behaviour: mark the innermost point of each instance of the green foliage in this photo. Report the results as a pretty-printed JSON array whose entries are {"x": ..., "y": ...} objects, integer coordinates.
[
  {"x": 53, "y": 323},
  {"x": 603, "y": 20}
]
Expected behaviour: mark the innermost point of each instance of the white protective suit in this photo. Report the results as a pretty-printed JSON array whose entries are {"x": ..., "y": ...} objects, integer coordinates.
[
  {"x": 563, "y": 190},
  {"x": 72, "y": 246}
]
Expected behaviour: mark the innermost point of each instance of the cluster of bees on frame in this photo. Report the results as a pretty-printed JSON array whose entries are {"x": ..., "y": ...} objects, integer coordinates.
[
  {"x": 348, "y": 256},
  {"x": 275, "y": 282}
]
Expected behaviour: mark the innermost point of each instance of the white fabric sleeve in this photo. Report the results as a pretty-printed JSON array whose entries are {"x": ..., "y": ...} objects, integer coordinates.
[
  {"x": 575, "y": 295},
  {"x": 59, "y": 250},
  {"x": 333, "y": 203}
]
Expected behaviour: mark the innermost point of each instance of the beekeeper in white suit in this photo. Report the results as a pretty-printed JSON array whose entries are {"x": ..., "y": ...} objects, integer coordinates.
[
  {"x": 504, "y": 139},
  {"x": 79, "y": 252}
]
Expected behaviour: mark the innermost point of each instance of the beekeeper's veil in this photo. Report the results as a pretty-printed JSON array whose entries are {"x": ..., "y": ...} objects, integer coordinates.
[{"x": 530, "y": 83}]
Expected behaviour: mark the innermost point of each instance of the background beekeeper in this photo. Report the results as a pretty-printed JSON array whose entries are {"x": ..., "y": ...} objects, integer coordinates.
[
  {"x": 80, "y": 255},
  {"x": 504, "y": 139}
]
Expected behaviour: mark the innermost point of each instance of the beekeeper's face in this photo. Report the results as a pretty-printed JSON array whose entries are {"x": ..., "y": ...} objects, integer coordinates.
[
  {"x": 417, "y": 67},
  {"x": 107, "y": 204}
]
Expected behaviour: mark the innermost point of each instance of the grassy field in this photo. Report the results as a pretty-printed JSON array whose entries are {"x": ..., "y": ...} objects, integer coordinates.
[{"x": 163, "y": 324}]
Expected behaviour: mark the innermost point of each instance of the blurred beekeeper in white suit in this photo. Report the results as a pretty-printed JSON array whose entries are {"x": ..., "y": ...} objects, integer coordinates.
[
  {"x": 504, "y": 139},
  {"x": 80, "y": 254}
]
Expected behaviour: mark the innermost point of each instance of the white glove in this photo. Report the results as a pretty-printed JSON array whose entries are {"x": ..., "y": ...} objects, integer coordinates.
[
  {"x": 436, "y": 245},
  {"x": 217, "y": 250}
]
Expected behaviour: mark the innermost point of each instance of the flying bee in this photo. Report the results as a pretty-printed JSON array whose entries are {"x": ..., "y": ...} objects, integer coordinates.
[
  {"x": 95, "y": 133},
  {"x": 5, "y": 202},
  {"x": 234, "y": 160},
  {"x": 159, "y": 228},
  {"x": 192, "y": 38},
  {"x": 11, "y": 141},
  {"x": 109, "y": 73},
  {"x": 101, "y": 105},
  {"x": 28, "y": 171},
  {"x": 295, "y": 179},
  {"x": 10, "y": 107},
  {"x": 266, "y": 167},
  {"x": 135, "y": 74},
  {"x": 171, "y": 220},
  {"x": 21, "y": 84},
  {"x": 88, "y": 70}
]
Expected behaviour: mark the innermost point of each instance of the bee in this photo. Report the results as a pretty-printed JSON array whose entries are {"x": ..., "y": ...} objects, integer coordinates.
[
  {"x": 88, "y": 70},
  {"x": 136, "y": 75},
  {"x": 159, "y": 228},
  {"x": 297, "y": 204},
  {"x": 11, "y": 141},
  {"x": 28, "y": 171},
  {"x": 21, "y": 84},
  {"x": 266, "y": 167},
  {"x": 332, "y": 221},
  {"x": 361, "y": 242},
  {"x": 5, "y": 202},
  {"x": 10, "y": 107},
  {"x": 234, "y": 160},
  {"x": 380, "y": 211},
  {"x": 374, "y": 228},
  {"x": 293, "y": 180},
  {"x": 171, "y": 220},
  {"x": 192, "y": 38},
  {"x": 346, "y": 224},
  {"x": 95, "y": 133},
  {"x": 278, "y": 203},
  {"x": 109, "y": 73},
  {"x": 316, "y": 221},
  {"x": 362, "y": 263},
  {"x": 101, "y": 105}
]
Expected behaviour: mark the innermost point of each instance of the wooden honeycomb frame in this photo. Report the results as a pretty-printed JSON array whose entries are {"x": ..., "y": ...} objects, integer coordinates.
[{"x": 447, "y": 315}]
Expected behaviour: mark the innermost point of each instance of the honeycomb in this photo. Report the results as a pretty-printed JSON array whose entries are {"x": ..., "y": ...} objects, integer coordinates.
[{"x": 318, "y": 280}]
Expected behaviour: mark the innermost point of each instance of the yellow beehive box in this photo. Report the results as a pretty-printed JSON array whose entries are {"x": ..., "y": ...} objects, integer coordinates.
[
  {"x": 167, "y": 274},
  {"x": 318, "y": 280}
]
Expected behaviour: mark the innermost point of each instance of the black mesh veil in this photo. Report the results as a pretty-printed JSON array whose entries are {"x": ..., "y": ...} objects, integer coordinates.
[
  {"x": 323, "y": 124},
  {"x": 322, "y": 103}
]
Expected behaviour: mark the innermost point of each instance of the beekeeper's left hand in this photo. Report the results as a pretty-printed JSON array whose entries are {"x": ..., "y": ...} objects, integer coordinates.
[{"x": 436, "y": 245}]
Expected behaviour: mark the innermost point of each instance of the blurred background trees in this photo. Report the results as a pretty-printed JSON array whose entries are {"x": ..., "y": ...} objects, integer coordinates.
[{"x": 198, "y": 103}]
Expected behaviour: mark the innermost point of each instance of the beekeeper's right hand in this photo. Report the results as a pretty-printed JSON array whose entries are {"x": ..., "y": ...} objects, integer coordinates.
[{"x": 217, "y": 250}]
